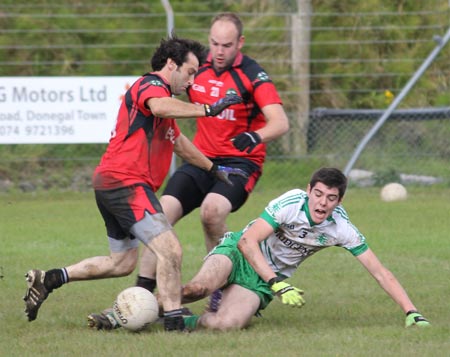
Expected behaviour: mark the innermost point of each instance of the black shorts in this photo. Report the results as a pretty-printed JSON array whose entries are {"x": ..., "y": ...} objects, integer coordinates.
[
  {"x": 123, "y": 207},
  {"x": 190, "y": 184}
]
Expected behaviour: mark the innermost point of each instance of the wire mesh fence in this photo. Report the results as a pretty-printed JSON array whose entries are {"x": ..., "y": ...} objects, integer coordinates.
[
  {"x": 354, "y": 64},
  {"x": 412, "y": 146}
]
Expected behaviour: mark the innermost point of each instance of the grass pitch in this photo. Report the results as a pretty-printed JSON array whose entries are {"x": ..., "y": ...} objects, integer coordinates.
[{"x": 346, "y": 314}]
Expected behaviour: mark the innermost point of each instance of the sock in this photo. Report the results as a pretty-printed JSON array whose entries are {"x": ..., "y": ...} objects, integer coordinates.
[
  {"x": 146, "y": 283},
  {"x": 55, "y": 278},
  {"x": 173, "y": 320},
  {"x": 191, "y": 322}
]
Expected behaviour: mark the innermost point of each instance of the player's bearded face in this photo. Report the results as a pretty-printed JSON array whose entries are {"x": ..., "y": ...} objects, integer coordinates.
[
  {"x": 322, "y": 201},
  {"x": 183, "y": 76}
]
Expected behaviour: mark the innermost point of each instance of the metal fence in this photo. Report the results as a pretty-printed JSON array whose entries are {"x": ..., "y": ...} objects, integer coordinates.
[
  {"x": 412, "y": 146},
  {"x": 350, "y": 70}
]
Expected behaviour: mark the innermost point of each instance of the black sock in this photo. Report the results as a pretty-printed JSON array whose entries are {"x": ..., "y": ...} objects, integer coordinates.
[
  {"x": 54, "y": 278},
  {"x": 173, "y": 320},
  {"x": 146, "y": 283}
]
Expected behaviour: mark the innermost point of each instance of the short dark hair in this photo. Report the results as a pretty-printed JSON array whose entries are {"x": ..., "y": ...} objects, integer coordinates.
[
  {"x": 232, "y": 17},
  {"x": 177, "y": 49},
  {"x": 331, "y": 177}
]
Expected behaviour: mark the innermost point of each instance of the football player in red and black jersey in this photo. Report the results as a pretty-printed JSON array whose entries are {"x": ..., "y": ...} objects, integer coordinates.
[
  {"x": 236, "y": 138},
  {"x": 132, "y": 169}
]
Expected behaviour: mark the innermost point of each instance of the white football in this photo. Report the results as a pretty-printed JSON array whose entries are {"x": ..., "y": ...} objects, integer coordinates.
[
  {"x": 393, "y": 192},
  {"x": 135, "y": 308}
]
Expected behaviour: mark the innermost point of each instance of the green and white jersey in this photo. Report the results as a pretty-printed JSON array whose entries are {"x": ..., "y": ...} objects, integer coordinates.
[{"x": 296, "y": 237}]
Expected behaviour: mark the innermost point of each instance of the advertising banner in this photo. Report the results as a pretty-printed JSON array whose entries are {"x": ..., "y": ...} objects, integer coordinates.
[{"x": 53, "y": 110}]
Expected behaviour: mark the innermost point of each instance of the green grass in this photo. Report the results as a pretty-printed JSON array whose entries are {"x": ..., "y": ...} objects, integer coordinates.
[{"x": 346, "y": 314}]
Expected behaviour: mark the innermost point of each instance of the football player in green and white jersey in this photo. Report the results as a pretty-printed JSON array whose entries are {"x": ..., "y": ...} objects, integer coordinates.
[{"x": 251, "y": 266}]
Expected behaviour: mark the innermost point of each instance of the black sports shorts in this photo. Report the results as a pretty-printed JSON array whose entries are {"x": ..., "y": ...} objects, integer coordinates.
[
  {"x": 190, "y": 184},
  {"x": 121, "y": 208}
]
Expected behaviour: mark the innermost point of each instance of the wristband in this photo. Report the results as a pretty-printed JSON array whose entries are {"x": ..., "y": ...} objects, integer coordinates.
[
  {"x": 274, "y": 280},
  {"x": 213, "y": 169},
  {"x": 412, "y": 312}
]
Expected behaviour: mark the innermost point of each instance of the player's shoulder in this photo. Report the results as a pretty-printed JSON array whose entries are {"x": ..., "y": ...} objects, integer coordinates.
[
  {"x": 152, "y": 79},
  {"x": 254, "y": 72},
  {"x": 340, "y": 215},
  {"x": 248, "y": 62},
  {"x": 291, "y": 197},
  {"x": 297, "y": 192},
  {"x": 250, "y": 67},
  {"x": 349, "y": 235}
]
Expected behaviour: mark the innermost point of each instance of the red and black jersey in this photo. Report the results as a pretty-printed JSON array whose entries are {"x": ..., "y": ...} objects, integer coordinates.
[
  {"x": 141, "y": 145},
  {"x": 247, "y": 79}
]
